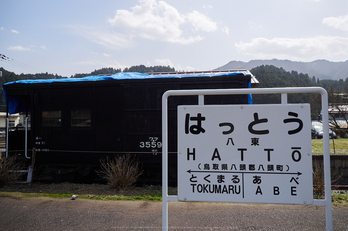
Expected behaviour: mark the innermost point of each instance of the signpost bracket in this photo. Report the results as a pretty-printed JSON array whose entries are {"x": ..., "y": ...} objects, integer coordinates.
[{"x": 284, "y": 98}]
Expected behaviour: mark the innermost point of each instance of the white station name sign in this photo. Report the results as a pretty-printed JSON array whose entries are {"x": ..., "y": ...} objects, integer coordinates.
[{"x": 245, "y": 153}]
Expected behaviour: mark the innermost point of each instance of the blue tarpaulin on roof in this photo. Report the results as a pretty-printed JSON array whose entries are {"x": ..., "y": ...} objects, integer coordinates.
[
  {"x": 17, "y": 104},
  {"x": 125, "y": 75}
]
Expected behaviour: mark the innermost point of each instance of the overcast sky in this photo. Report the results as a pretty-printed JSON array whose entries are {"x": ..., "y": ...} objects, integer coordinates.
[{"x": 67, "y": 37}]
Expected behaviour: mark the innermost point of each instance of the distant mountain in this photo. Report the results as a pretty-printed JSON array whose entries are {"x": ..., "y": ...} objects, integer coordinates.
[{"x": 321, "y": 69}]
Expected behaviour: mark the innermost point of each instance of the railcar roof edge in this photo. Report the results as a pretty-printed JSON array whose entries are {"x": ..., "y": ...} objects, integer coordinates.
[
  {"x": 131, "y": 75},
  {"x": 128, "y": 75},
  {"x": 13, "y": 102}
]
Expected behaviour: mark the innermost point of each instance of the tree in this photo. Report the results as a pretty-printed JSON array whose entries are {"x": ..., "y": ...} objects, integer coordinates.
[{"x": 144, "y": 69}]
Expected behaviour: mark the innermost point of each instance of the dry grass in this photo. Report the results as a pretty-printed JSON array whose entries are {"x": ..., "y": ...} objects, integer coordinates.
[
  {"x": 318, "y": 180},
  {"x": 121, "y": 172},
  {"x": 9, "y": 170}
]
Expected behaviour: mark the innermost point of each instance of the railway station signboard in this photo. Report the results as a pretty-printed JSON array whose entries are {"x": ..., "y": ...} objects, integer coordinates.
[{"x": 245, "y": 153}]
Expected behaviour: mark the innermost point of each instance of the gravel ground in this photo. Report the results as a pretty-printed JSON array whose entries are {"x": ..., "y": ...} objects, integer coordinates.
[
  {"x": 18, "y": 212},
  {"x": 65, "y": 214}
]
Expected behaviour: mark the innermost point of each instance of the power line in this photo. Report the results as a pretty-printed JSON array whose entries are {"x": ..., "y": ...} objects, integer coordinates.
[{"x": 19, "y": 64}]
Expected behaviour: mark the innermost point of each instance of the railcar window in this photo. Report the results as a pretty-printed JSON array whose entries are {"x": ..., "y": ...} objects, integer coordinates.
[
  {"x": 81, "y": 118},
  {"x": 51, "y": 118},
  {"x": 11, "y": 123}
]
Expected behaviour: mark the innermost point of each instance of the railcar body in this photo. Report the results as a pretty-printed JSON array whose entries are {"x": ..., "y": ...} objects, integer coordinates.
[{"x": 73, "y": 123}]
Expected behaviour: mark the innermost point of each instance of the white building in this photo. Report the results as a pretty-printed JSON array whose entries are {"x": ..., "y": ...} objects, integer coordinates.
[{"x": 14, "y": 120}]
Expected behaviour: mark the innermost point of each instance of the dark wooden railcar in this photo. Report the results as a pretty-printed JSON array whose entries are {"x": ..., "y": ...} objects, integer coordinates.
[{"x": 73, "y": 123}]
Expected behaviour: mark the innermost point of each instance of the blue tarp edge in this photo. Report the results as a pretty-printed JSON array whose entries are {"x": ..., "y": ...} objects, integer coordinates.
[
  {"x": 14, "y": 105},
  {"x": 124, "y": 76}
]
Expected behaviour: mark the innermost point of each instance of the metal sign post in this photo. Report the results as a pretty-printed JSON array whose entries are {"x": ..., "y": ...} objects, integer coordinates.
[{"x": 245, "y": 153}]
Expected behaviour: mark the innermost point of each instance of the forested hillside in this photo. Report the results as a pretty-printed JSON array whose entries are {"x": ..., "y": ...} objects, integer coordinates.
[
  {"x": 321, "y": 69},
  {"x": 271, "y": 76},
  {"x": 139, "y": 68},
  {"x": 144, "y": 69},
  {"x": 103, "y": 71}
]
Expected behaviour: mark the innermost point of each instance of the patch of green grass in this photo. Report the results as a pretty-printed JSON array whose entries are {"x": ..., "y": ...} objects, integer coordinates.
[
  {"x": 91, "y": 197},
  {"x": 132, "y": 198},
  {"x": 339, "y": 199},
  {"x": 18, "y": 194},
  {"x": 337, "y": 146}
]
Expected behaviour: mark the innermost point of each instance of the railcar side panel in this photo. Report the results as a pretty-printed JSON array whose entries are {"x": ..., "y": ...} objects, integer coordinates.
[{"x": 75, "y": 124}]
